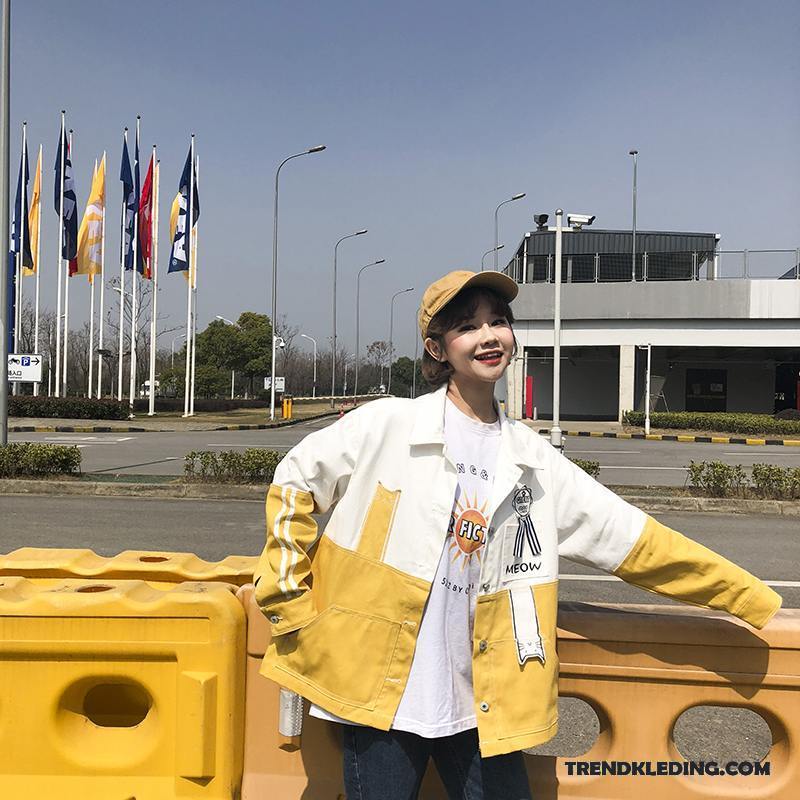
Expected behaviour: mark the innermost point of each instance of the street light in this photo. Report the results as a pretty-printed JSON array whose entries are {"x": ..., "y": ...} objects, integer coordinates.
[
  {"x": 333, "y": 349},
  {"x": 224, "y": 319},
  {"x": 391, "y": 320},
  {"x": 314, "y": 341},
  {"x": 492, "y": 250},
  {"x": 172, "y": 350},
  {"x": 634, "y": 153},
  {"x": 347, "y": 360},
  {"x": 317, "y": 149},
  {"x": 510, "y": 200},
  {"x": 358, "y": 312}
]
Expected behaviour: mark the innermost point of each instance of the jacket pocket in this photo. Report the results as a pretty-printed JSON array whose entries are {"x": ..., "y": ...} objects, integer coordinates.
[
  {"x": 345, "y": 654},
  {"x": 378, "y": 522}
]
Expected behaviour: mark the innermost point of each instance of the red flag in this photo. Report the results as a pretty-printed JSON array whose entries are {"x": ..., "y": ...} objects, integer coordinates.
[{"x": 145, "y": 217}]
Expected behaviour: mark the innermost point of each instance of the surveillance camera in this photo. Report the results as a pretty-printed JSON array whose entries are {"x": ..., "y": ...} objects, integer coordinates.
[
  {"x": 281, "y": 344},
  {"x": 579, "y": 220},
  {"x": 540, "y": 220}
]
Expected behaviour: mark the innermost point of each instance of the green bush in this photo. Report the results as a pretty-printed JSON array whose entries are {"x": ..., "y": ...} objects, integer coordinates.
[
  {"x": 746, "y": 424},
  {"x": 67, "y": 407},
  {"x": 254, "y": 465},
  {"x": 768, "y": 481},
  {"x": 29, "y": 460},
  {"x": 590, "y": 467}
]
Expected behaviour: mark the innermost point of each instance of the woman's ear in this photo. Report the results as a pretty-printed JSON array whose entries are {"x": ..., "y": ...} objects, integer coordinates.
[{"x": 433, "y": 348}]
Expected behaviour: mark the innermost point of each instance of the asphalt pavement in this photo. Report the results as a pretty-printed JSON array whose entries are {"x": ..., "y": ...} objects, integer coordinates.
[{"x": 627, "y": 462}]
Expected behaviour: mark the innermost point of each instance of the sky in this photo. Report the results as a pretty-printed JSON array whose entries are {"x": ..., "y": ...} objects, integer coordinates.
[{"x": 432, "y": 114}]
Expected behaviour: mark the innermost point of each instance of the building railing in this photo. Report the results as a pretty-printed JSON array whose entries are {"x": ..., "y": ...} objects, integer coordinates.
[{"x": 658, "y": 266}]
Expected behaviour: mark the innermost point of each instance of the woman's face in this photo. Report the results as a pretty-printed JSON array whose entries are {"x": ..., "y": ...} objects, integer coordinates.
[{"x": 479, "y": 348}]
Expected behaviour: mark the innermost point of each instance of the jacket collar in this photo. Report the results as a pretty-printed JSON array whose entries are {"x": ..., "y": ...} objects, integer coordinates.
[{"x": 428, "y": 428}]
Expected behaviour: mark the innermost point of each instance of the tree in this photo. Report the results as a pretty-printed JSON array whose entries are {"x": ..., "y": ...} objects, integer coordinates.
[{"x": 257, "y": 350}]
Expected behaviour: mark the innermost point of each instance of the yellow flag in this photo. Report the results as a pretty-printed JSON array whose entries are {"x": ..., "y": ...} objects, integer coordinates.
[
  {"x": 173, "y": 223},
  {"x": 90, "y": 235},
  {"x": 34, "y": 215}
]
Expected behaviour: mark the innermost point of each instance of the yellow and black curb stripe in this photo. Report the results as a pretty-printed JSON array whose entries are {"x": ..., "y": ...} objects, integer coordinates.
[
  {"x": 131, "y": 429},
  {"x": 679, "y": 437}
]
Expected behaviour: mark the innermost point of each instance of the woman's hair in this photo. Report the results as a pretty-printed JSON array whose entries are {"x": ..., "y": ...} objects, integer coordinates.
[{"x": 461, "y": 307}]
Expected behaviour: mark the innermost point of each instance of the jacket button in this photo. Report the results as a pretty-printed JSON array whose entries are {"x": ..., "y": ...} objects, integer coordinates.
[
  {"x": 482, "y": 645},
  {"x": 274, "y": 619},
  {"x": 485, "y": 587},
  {"x": 484, "y": 706}
]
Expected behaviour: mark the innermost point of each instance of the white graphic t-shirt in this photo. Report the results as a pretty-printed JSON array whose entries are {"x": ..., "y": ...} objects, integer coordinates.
[{"x": 438, "y": 699}]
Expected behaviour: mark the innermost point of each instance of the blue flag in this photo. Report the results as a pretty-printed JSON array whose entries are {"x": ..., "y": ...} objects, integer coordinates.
[
  {"x": 129, "y": 200},
  {"x": 21, "y": 212},
  {"x": 69, "y": 212},
  {"x": 179, "y": 256},
  {"x": 137, "y": 193}
]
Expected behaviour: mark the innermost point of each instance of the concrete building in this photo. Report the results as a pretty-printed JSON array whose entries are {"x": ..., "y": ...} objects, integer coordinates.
[{"x": 723, "y": 326}]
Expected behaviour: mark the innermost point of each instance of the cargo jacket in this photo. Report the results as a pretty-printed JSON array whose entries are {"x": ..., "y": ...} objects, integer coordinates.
[{"x": 345, "y": 605}]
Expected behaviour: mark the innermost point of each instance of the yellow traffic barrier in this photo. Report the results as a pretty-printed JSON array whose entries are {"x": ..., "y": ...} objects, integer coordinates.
[
  {"x": 639, "y": 666},
  {"x": 114, "y": 689},
  {"x": 157, "y": 568},
  {"x": 287, "y": 407}
]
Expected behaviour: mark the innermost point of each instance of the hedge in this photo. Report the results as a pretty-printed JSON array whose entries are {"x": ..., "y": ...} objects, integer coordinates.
[
  {"x": 254, "y": 465},
  {"x": 767, "y": 481},
  {"x": 67, "y": 407},
  {"x": 716, "y": 421},
  {"x": 30, "y": 460}
]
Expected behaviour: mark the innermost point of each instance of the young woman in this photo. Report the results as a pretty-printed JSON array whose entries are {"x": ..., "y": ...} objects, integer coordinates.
[{"x": 423, "y": 618}]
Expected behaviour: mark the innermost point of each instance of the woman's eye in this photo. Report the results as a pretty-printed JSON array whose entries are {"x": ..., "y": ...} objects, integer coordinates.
[{"x": 501, "y": 321}]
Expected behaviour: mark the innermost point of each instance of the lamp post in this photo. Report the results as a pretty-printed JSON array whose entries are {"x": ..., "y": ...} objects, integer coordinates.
[
  {"x": 492, "y": 250},
  {"x": 229, "y": 322},
  {"x": 333, "y": 339},
  {"x": 347, "y": 360},
  {"x": 391, "y": 320},
  {"x": 633, "y": 153},
  {"x": 314, "y": 342},
  {"x": 510, "y": 200},
  {"x": 318, "y": 149},
  {"x": 358, "y": 313},
  {"x": 576, "y": 223}
]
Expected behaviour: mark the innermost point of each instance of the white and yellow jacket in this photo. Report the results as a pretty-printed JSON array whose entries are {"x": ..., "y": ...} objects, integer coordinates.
[{"x": 345, "y": 606}]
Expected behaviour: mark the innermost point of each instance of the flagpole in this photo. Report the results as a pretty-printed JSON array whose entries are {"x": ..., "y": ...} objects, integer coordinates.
[
  {"x": 193, "y": 276},
  {"x": 38, "y": 266},
  {"x": 67, "y": 276},
  {"x": 102, "y": 288},
  {"x": 189, "y": 221},
  {"x": 121, "y": 286},
  {"x": 135, "y": 244},
  {"x": 91, "y": 305},
  {"x": 153, "y": 282},
  {"x": 21, "y": 222},
  {"x": 57, "y": 386}
]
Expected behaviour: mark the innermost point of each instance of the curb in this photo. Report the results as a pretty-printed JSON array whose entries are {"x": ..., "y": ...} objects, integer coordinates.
[
  {"x": 671, "y": 437},
  {"x": 132, "y": 429},
  {"x": 224, "y": 491}
]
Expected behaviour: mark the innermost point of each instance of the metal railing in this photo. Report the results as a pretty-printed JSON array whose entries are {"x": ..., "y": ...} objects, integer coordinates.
[{"x": 659, "y": 266}]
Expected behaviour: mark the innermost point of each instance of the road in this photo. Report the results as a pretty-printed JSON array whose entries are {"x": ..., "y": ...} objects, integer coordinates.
[
  {"x": 767, "y": 546},
  {"x": 625, "y": 462},
  {"x": 213, "y": 529}
]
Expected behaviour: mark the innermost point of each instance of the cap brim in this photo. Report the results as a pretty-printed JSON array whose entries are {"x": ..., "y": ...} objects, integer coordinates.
[{"x": 506, "y": 287}]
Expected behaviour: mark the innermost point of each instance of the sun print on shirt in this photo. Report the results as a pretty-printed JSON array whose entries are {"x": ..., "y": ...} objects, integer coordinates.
[{"x": 468, "y": 528}]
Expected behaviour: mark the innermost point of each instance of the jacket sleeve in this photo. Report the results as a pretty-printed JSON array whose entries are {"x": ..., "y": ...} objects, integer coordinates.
[
  {"x": 310, "y": 479},
  {"x": 598, "y": 528}
]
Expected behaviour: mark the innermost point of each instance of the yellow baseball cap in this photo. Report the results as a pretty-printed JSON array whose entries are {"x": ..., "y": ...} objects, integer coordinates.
[{"x": 441, "y": 292}]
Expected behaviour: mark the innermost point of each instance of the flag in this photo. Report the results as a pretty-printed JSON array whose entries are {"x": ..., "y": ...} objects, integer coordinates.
[
  {"x": 179, "y": 260},
  {"x": 129, "y": 200},
  {"x": 19, "y": 224},
  {"x": 90, "y": 236},
  {"x": 34, "y": 216},
  {"x": 145, "y": 222},
  {"x": 136, "y": 198},
  {"x": 69, "y": 213}
]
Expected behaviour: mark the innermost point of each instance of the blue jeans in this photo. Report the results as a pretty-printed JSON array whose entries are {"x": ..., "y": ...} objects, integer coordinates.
[{"x": 390, "y": 765}]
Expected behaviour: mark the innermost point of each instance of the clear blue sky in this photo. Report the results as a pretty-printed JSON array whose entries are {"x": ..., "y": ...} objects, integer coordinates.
[{"x": 433, "y": 112}]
